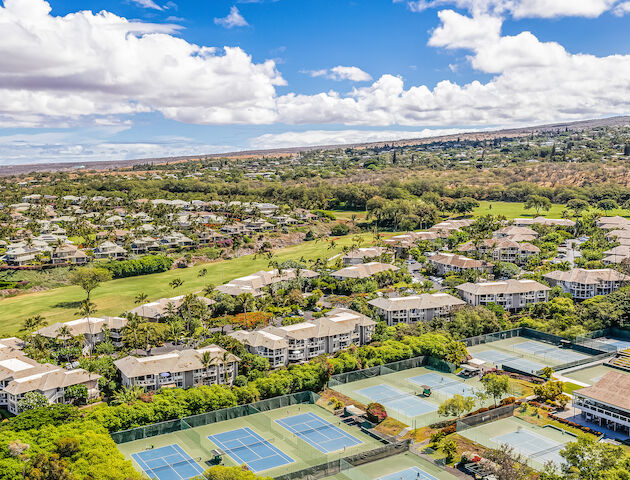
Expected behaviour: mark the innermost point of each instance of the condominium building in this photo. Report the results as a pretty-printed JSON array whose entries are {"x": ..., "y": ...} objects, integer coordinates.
[
  {"x": 606, "y": 403},
  {"x": 583, "y": 284},
  {"x": 409, "y": 240},
  {"x": 160, "y": 308},
  {"x": 502, "y": 250},
  {"x": 510, "y": 294},
  {"x": 109, "y": 250},
  {"x": 181, "y": 369},
  {"x": 364, "y": 270},
  {"x": 301, "y": 342},
  {"x": 449, "y": 262},
  {"x": 68, "y": 254},
  {"x": 256, "y": 282},
  {"x": 357, "y": 256},
  {"x": 416, "y": 308},
  {"x": 94, "y": 329},
  {"x": 20, "y": 375},
  {"x": 517, "y": 234},
  {"x": 550, "y": 222},
  {"x": 265, "y": 344},
  {"x": 612, "y": 223}
]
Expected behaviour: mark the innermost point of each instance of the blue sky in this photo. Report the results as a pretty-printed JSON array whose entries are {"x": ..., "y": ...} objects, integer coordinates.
[{"x": 92, "y": 80}]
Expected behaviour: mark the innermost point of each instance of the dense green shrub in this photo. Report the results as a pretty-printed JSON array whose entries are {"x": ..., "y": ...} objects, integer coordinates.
[{"x": 140, "y": 266}]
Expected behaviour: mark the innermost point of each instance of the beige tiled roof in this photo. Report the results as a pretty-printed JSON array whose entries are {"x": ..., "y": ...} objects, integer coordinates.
[
  {"x": 512, "y": 231},
  {"x": 611, "y": 389},
  {"x": 558, "y": 222},
  {"x": 173, "y": 362},
  {"x": 506, "y": 287},
  {"x": 499, "y": 243},
  {"x": 584, "y": 276},
  {"x": 158, "y": 307},
  {"x": 256, "y": 281},
  {"x": 335, "y": 322},
  {"x": 612, "y": 222},
  {"x": 457, "y": 261},
  {"x": 363, "y": 270},
  {"x": 423, "y": 301},
  {"x": 368, "y": 252},
  {"x": 44, "y": 381},
  {"x": 260, "y": 338},
  {"x": 83, "y": 326}
]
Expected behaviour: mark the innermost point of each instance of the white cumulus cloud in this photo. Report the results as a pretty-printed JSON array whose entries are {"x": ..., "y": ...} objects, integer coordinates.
[
  {"x": 233, "y": 19},
  {"x": 522, "y": 8},
  {"x": 63, "y": 68},
  {"x": 147, "y": 4},
  {"x": 340, "y": 73}
]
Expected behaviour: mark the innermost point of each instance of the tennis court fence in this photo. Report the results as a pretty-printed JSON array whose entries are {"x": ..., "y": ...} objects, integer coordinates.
[
  {"x": 484, "y": 417},
  {"x": 393, "y": 367},
  {"x": 187, "y": 424},
  {"x": 596, "y": 350},
  {"x": 337, "y": 466}
]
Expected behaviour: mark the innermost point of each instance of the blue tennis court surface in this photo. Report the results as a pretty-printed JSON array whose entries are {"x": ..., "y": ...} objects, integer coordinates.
[
  {"x": 550, "y": 352},
  {"x": 413, "y": 473},
  {"x": 618, "y": 344},
  {"x": 246, "y": 446},
  {"x": 319, "y": 433},
  {"x": 397, "y": 400},
  {"x": 443, "y": 384},
  {"x": 168, "y": 463},
  {"x": 532, "y": 445},
  {"x": 501, "y": 358}
]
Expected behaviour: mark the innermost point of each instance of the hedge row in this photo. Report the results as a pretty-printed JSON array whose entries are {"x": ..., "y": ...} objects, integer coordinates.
[{"x": 141, "y": 266}]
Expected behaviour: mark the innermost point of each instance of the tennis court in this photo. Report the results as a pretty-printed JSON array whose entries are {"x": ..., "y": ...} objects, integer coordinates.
[
  {"x": 245, "y": 446},
  {"x": 443, "y": 384},
  {"x": 590, "y": 375},
  {"x": 168, "y": 463},
  {"x": 319, "y": 433},
  {"x": 412, "y": 473},
  {"x": 532, "y": 445},
  {"x": 403, "y": 402},
  {"x": 498, "y": 358},
  {"x": 538, "y": 445},
  {"x": 526, "y": 354},
  {"x": 405, "y": 465},
  {"x": 615, "y": 342},
  {"x": 550, "y": 352},
  {"x": 199, "y": 442}
]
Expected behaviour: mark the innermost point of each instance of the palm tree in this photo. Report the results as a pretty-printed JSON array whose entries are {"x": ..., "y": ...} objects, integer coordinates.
[
  {"x": 133, "y": 322},
  {"x": 33, "y": 323},
  {"x": 207, "y": 359},
  {"x": 141, "y": 299},
  {"x": 127, "y": 395},
  {"x": 176, "y": 283},
  {"x": 208, "y": 290},
  {"x": 64, "y": 334}
]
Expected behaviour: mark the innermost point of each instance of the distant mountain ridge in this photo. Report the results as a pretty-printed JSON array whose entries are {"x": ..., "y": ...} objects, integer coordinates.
[{"x": 6, "y": 170}]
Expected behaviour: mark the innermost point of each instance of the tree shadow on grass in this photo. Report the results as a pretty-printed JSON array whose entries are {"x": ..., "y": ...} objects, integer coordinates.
[{"x": 76, "y": 304}]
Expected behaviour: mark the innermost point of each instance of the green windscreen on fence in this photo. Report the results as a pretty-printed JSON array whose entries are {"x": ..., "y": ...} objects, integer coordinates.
[{"x": 215, "y": 416}]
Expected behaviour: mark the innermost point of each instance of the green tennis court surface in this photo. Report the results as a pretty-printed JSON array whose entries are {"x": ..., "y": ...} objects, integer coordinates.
[
  {"x": 538, "y": 444},
  {"x": 319, "y": 433},
  {"x": 525, "y": 354},
  {"x": 261, "y": 442},
  {"x": 406, "y": 466}
]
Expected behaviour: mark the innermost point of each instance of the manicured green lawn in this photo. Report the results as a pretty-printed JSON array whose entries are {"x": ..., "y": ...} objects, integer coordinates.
[
  {"x": 117, "y": 296},
  {"x": 517, "y": 210},
  {"x": 360, "y": 215}
]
